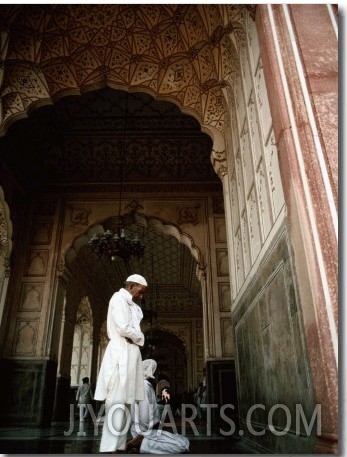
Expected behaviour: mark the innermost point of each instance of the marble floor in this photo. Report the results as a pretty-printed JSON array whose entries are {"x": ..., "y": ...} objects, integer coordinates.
[{"x": 84, "y": 438}]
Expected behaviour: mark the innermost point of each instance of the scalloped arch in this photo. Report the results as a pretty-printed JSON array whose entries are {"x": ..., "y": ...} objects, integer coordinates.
[
  {"x": 177, "y": 53},
  {"x": 71, "y": 252},
  {"x": 161, "y": 328},
  {"x": 6, "y": 229}
]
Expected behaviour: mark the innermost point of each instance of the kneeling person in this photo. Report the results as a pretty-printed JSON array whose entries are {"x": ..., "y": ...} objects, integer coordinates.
[{"x": 145, "y": 418}]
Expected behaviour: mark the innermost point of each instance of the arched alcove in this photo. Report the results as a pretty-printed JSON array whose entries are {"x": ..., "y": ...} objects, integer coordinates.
[
  {"x": 170, "y": 264},
  {"x": 170, "y": 353},
  {"x": 229, "y": 73}
]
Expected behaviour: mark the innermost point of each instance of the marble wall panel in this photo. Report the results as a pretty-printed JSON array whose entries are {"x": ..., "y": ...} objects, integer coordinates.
[
  {"x": 224, "y": 296},
  {"x": 220, "y": 230},
  {"x": 27, "y": 391},
  {"x": 41, "y": 232},
  {"x": 227, "y": 337},
  {"x": 270, "y": 348},
  {"x": 26, "y": 335},
  {"x": 222, "y": 262},
  {"x": 37, "y": 262},
  {"x": 31, "y": 296}
]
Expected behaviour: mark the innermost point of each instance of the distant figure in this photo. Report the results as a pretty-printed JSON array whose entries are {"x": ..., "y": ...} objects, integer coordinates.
[
  {"x": 163, "y": 383},
  {"x": 84, "y": 397},
  {"x": 163, "y": 393},
  {"x": 201, "y": 398}
]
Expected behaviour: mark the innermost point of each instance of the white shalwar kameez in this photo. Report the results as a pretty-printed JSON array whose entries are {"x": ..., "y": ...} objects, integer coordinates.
[
  {"x": 120, "y": 380},
  {"x": 144, "y": 416}
]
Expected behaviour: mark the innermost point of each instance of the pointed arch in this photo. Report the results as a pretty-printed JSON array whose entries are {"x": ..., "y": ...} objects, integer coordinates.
[{"x": 82, "y": 342}]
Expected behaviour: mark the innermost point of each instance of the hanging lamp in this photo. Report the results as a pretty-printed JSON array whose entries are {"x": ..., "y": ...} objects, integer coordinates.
[{"x": 114, "y": 244}]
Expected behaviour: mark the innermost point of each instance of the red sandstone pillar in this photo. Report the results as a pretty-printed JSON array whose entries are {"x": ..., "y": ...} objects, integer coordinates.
[{"x": 299, "y": 50}]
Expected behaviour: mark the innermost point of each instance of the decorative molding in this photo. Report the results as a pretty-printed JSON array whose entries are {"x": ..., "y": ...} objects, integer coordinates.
[
  {"x": 227, "y": 337},
  {"x": 222, "y": 262},
  {"x": 25, "y": 337},
  {"x": 224, "y": 296},
  {"x": 220, "y": 230},
  {"x": 37, "y": 262},
  {"x": 41, "y": 232},
  {"x": 31, "y": 296},
  {"x": 78, "y": 216},
  {"x": 188, "y": 214},
  {"x": 3, "y": 233},
  {"x": 218, "y": 159}
]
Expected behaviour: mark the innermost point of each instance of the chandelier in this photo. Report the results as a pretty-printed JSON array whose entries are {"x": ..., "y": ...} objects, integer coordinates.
[{"x": 115, "y": 243}]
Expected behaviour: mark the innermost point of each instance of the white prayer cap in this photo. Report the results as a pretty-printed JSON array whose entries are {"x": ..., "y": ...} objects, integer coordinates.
[
  {"x": 149, "y": 366},
  {"x": 138, "y": 279}
]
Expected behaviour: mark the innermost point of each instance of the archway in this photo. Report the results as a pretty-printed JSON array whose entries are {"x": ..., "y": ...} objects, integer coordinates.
[
  {"x": 167, "y": 256},
  {"x": 169, "y": 351},
  {"x": 207, "y": 60}
]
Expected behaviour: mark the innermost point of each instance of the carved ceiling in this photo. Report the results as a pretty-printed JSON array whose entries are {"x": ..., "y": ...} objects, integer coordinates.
[
  {"x": 88, "y": 142},
  {"x": 180, "y": 52},
  {"x": 88, "y": 91}
]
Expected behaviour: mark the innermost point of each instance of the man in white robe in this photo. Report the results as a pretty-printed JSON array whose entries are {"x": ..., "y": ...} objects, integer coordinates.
[
  {"x": 145, "y": 418},
  {"x": 120, "y": 380}
]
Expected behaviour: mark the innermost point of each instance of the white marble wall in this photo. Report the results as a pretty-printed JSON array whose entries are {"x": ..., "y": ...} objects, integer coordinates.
[{"x": 256, "y": 194}]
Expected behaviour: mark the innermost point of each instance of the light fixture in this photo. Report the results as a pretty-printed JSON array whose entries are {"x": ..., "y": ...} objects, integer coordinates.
[{"x": 114, "y": 243}]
